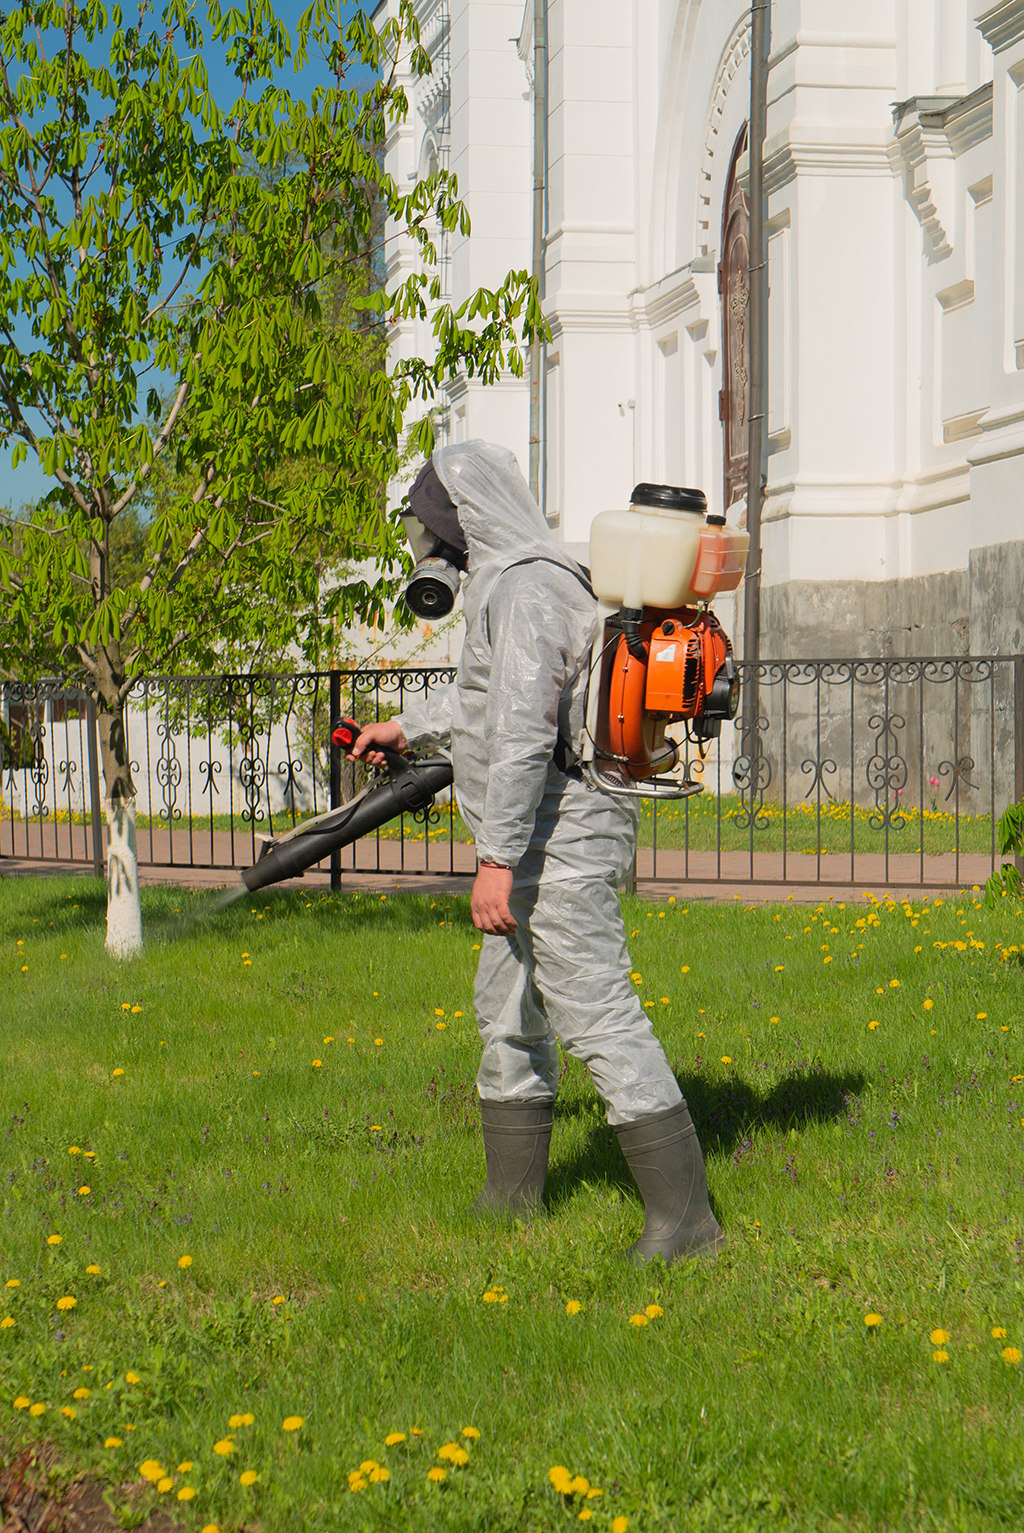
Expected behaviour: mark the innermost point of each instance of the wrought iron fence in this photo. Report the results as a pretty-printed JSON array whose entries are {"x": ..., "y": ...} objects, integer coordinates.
[{"x": 835, "y": 772}]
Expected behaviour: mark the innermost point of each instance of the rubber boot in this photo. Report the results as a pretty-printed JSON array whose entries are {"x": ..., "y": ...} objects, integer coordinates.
[
  {"x": 516, "y": 1142},
  {"x": 665, "y": 1158}
]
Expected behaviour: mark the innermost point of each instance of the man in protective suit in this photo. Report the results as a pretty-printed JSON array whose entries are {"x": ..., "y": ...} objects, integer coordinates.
[{"x": 552, "y": 852}]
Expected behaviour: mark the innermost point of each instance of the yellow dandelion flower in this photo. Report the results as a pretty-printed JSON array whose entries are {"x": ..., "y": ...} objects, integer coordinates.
[
  {"x": 118, "y": 1071},
  {"x": 638, "y": 1320},
  {"x": 248, "y": 1477},
  {"x": 185, "y": 1467},
  {"x": 653, "y": 1311},
  {"x": 246, "y": 1419},
  {"x": 1011, "y": 1355},
  {"x": 595, "y": 1491},
  {"x": 165, "y": 1484},
  {"x": 68, "y": 1302},
  {"x": 68, "y": 1411},
  {"x": 224, "y": 1448},
  {"x": 150, "y": 1469},
  {"x": 490, "y": 1297},
  {"x": 472, "y": 1433},
  {"x": 38, "y": 1409},
  {"x": 184, "y": 1261},
  {"x": 22, "y": 1402},
  {"x": 573, "y": 1307},
  {"x": 6, "y": 1323},
  {"x": 939, "y": 1338},
  {"x": 13, "y": 1283},
  {"x": 437, "y": 1474},
  {"x": 584, "y": 1515},
  {"x": 438, "y": 1011},
  {"x": 292, "y": 1423},
  {"x": 379, "y": 1474},
  {"x": 378, "y": 1042},
  {"x": 727, "y": 1059},
  {"x": 113, "y": 1442},
  {"x": 579, "y": 1486},
  {"x": 872, "y": 1026},
  {"x": 186, "y": 1493},
  {"x": 393, "y": 1439},
  {"x": 620, "y": 1524},
  {"x": 234, "y": 1421},
  {"x": 83, "y": 1192},
  {"x": 928, "y": 1005},
  {"x": 999, "y": 1333},
  {"x": 93, "y": 1270},
  {"x": 871, "y": 1320},
  {"x": 54, "y": 1240},
  {"x": 560, "y": 1478},
  {"x": 940, "y": 1356},
  {"x": 73, "y": 1149},
  {"x": 211, "y": 1527},
  {"x": 894, "y": 984},
  {"x": 81, "y": 1393},
  {"x": 367, "y": 1465},
  {"x": 457, "y": 1013},
  {"x": 131, "y": 1378}
]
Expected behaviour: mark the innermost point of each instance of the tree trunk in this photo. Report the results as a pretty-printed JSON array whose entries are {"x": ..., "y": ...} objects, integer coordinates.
[{"x": 124, "y": 912}]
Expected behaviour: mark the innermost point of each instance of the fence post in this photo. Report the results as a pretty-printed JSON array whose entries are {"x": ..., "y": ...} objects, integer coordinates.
[
  {"x": 95, "y": 804},
  {"x": 1018, "y": 741},
  {"x": 335, "y": 703}
]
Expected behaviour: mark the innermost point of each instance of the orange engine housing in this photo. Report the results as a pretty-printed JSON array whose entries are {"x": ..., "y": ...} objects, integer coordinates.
[{"x": 684, "y": 652}]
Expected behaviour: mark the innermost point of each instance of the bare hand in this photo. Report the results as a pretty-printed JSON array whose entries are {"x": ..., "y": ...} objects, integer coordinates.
[
  {"x": 388, "y": 733},
  {"x": 489, "y": 902}
]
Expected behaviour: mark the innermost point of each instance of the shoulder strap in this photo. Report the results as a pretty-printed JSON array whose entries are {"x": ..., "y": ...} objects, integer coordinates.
[{"x": 537, "y": 559}]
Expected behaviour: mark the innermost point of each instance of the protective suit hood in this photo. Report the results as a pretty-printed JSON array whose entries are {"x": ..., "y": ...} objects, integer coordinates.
[{"x": 500, "y": 519}]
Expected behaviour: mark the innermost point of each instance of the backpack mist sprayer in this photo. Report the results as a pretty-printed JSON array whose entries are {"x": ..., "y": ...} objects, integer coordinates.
[
  {"x": 661, "y": 655},
  {"x": 406, "y": 786}
]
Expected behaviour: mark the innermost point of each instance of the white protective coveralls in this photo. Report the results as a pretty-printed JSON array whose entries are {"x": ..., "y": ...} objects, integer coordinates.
[{"x": 565, "y": 973}]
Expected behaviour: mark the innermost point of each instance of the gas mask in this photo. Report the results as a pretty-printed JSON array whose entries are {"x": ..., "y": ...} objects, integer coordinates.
[{"x": 434, "y": 585}]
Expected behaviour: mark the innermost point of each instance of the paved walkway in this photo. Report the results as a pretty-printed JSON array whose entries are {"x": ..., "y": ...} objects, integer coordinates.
[{"x": 389, "y": 865}]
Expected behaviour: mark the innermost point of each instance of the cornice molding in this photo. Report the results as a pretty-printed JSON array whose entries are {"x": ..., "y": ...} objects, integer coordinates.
[
  {"x": 1002, "y": 24},
  {"x": 789, "y": 157}
]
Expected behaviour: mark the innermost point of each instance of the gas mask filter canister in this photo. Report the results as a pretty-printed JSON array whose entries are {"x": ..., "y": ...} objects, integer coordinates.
[{"x": 434, "y": 585}]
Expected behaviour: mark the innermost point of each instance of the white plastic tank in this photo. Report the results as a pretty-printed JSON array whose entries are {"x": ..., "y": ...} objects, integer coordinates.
[{"x": 648, "y": 556}]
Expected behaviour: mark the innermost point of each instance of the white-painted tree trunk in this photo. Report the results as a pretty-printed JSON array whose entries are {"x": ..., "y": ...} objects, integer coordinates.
[{"x": 124, "y": 912}]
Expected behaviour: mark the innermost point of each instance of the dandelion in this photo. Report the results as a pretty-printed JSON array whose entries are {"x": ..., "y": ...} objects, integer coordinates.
[
  {"x": 54, "y": 1240},
  {"x": 248, "y": 1477},
  {"x": 73, "y": 1149},
  {"x": 13, "y": 1283},
  {"x": 940, "y": 1356},
  {"x": 441, "y": 1026},
  {"x": 981, "y": 1016},
  {"x": 378, "y": 1042},
  {"x": 292, "y": 1423},
  {"x": 68, "y": 1411},
  {"x": 727, "y": 1059},
  {"x": 491, "y": 1297},
  {"x": 638, "y": 1320},
  {"x": 186, "y": 1493},
  {"x": 278, "y": 1299},
  {"x": 393, "y": 1439},
  {"x": 939, "y": 1338},
  {"x": 380, "y": 1473},
  {"x": 68, "y": 1302},
  {"x": 165, "y": 1484},
  {"x": 457, "y": 1013},
  {"x": 437, "y": 1474},
  {"x": 579, "y": 1486},
  {"x": 224, "y": 1448},
  {"x": 39, "y": 1409},
  {"x": 6, "y": 1323},
  {"x": 573, "y": 1307},
  {"x": 151, "y": 1470},
  {"x": 83, "y": 1192},
  {"x": 93, "y": 1270},
  {"x": 472, "y": 1433},
  {"x": 928, "y": 1005},
  {"x": 894, "y": 984},
  {"x": 620, "y": 1524},
  {"x": 560, "y": 1478},
  {"x": 998, "y": 1334},
  {"x": 22, "y": 1402},
  {"x": 184, "y": 1261},
  {"x": 317, "y": 1063},
  {"x": 780, "y": 968},
  {"x": 186, "y": 1467},
  {"x": 584, "y": 1515},
  {"x": 1011, "y": 1355},
  {"x": 81, "y": 1393},
  {"x": 113, "y": 1442},
  {"x": 328, "y": 1040},
  {"x": 131, "y": 1378},
  {"x": 872, "y": 1026},
  {"x": 685, "y": 969},
  {"x": 871, "y": 1320},
  {"x": 654, "y": 1311},
  {"x": 117, "y": 1072}
]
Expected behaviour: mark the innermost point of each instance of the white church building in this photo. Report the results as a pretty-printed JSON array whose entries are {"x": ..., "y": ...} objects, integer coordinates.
[{"x": 893, "y": 521}]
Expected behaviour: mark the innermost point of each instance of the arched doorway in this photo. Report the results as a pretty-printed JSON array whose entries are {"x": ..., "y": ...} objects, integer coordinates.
[{"x": 734, "y": 287}]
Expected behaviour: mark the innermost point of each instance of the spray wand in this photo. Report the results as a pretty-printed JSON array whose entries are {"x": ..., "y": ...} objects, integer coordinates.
[{"x": 407, "y": 785}]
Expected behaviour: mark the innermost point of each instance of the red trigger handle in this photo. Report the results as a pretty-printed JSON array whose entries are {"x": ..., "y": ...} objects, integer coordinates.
[{"x": 345, "y": 733}]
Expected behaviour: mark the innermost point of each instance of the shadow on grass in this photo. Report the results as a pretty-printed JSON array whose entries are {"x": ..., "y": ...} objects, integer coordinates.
[{"x": 725, "y": 1114}]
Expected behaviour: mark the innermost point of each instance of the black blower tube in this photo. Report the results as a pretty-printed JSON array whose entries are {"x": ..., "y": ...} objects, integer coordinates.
[{"x": 410, "y": 786}]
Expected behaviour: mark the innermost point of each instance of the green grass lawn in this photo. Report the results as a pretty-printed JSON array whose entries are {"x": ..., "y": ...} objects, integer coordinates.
[{"x": 247, "y": 1158}]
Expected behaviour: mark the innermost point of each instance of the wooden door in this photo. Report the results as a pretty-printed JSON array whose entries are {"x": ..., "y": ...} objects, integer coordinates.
[{"x": 734, "y": 287}]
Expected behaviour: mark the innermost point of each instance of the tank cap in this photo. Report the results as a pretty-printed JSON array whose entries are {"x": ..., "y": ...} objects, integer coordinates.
[
  {"x": 716, "y": 521},
  {"x": 669, "y": 497}
]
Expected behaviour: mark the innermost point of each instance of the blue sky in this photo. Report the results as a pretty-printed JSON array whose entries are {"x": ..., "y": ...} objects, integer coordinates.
[{"x": 28, "y": 482}]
